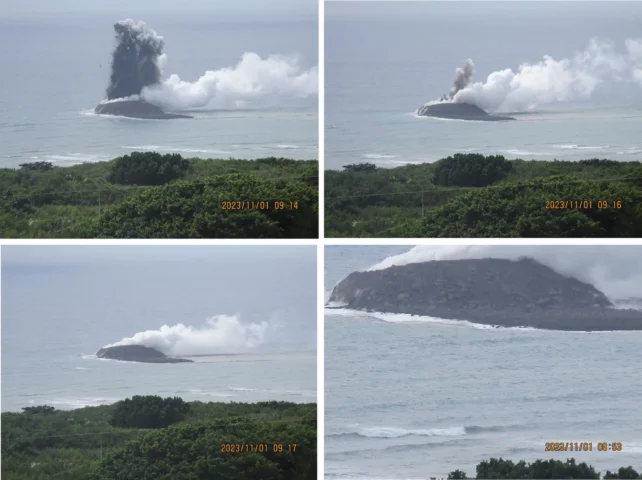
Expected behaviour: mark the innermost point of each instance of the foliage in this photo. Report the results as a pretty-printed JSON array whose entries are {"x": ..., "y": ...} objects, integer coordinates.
[
  {"x": 36, "y": 166},
  {"x": 68, "y": 202},
  {"x": 360, "y": 167},
  {"x": 393, "y": 202},
  {"x": 471, "y": 170},
  {"x": 506, "y": 469},
  {"x": 147, "y": 168},
  {"x": 39, "y": 409},
  {"x": 517, "y": 210},
  {"x": 195, "y": 210},
  {"x": 623, "y": 472},
  {"x": 149, "y": 411},
  {"x": 83, "y": 444}
]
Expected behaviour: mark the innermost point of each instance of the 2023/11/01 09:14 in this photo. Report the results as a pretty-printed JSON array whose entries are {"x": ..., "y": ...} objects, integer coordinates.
[
  {"x": 259, "y": 205},
  {"x": 258, "y": 447},
  {"x": 582, "y": 446}
]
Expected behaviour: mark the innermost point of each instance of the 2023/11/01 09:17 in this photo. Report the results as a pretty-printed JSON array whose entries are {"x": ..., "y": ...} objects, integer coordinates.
[
  {"x": 582, "y": 446},
  {"x": 258, "y": 447}
]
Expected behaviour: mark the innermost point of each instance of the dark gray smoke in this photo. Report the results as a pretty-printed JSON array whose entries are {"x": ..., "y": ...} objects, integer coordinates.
[
  {"x": 463, "y": 77},
  {"x": 135, "y": 59}
]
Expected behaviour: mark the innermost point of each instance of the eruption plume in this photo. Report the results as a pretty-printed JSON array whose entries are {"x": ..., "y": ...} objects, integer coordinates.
[{"x": 135, "y": 59}]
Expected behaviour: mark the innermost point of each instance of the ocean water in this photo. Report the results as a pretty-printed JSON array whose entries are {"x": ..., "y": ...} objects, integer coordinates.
[
  {"x": 61, "y": 304},
  {"x": 410, "y": 400},
  {"x": 386, "y": 59},
  {"x": 58, "y": 71}
]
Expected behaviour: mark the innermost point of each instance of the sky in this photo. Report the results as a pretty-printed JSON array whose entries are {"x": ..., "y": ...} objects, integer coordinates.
[
  {"x": 72, "y": 255},
  {"x": 224, "y": 9},
  {"x": 175, "y": 298}
]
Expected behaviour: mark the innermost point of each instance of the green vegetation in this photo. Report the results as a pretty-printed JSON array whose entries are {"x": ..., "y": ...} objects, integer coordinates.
[
  {"x": 148, "y": 195},
  {"x": 506, "y": 469},
  {"x": 469, "y": 195},
  {"x": 147, "y": 169},
  {"x": 92, "y": 443}
]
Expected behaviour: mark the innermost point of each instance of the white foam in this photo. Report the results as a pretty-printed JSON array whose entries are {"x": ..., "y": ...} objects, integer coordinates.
[
  {"x": 162, "y": 148},
  {"x": 581, "y": 147},
  {"x": 395, "y": 432},
  {"x": 514, "y": 151},
  {"x": 374, "y": 156},
  {"x": 81, "y": 402},
  {"x": 408, "y": 318}
]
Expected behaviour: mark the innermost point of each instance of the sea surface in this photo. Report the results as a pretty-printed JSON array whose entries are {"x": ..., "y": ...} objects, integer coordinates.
[
  {"x": 58, "y": 71},
  {"x": 411, "y": 400},
  {"x": 386, "y": 59},
  {"x": 56, "y": 316}
]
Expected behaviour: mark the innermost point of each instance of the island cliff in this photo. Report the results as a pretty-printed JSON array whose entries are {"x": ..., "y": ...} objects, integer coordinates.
[
  {"x": 506, "y": 293},
  {"x": 137, "y": 353},
  {"x": 458, "y": 111},
  {"x": 135, "y": 109}
]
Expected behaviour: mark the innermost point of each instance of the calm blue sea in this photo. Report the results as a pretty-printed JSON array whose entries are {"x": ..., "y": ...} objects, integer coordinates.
[
  {"x": 416, "y": 400},
  {"x": 57, "y": 72},
  {"x": 61, "y": 304},
  {"x": 386, "y": 59}
]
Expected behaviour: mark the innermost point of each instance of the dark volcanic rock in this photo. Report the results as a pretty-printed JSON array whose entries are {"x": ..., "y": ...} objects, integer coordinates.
[
  {"x": 135, "y": 109},
  {"x": 488, "y": 291},
  {"x": 137, "y": 353},
  {"x": 458, "y": 111}
]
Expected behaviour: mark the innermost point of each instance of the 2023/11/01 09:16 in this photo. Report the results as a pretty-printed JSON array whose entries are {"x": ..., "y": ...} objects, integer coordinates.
[
  {"x": 259, "y": 205},
  {"x": 583, "y": 204},
  {"x": 258, "y": 447},
  {"x": 582, "y": 446}
]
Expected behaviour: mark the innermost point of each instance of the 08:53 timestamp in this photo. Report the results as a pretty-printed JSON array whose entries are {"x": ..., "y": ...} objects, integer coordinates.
[{"x": 582, "y": 447}]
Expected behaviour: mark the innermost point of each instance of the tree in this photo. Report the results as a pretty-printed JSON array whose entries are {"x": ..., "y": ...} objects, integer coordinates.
[
  {"x": 197, "y": 210},
  {"x": 36, "y": 166},
  {"x": 471, "y": 170},
  {"x": 360, "y": 167},
  {"x": 520, "y": 210},
  {"x": 147, "y": 168},
  {"x": 149, "y": 411}
]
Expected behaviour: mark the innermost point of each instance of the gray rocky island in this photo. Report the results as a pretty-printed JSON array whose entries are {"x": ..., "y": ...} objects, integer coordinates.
[
  {"x": 459, "y": 111},
  {"x": 135, "y": 109},
  {"x": 137, "y": 353},
  {"x": 506, "y": 293}
]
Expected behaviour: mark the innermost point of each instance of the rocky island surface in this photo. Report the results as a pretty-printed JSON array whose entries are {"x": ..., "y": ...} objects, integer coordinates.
[
  {"x": 135, "y": 109},
  {"x": 506, "y": 293},
  {"x": 137, "y": 353},
  {"x": 459, "y": 111}
]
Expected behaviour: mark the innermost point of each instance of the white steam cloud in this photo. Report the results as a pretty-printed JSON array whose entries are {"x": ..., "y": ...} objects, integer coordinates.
[
  {"x": 219, "y": 334},
  {"x": 253, "y": 78},
  {"x": 614, "y": 270},
  {"x": 552, "y": 80}
]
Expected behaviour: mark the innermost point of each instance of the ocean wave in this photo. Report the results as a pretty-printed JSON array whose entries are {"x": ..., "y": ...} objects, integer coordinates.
[
  {"x": 514, "y": 151},
  {"x": 80, "y": 402},
  {"x": 161, "y": 148},
  {"x": 394, "y": 432},
  {"x": 302, "y": 393},
  {"x": 572, "y": 146},
  {"x": 398, "y": 432},
  {"x": 408, "y": 318},
  {"x": 374, "y": 156},
  {"x": 285, "y": 147}
]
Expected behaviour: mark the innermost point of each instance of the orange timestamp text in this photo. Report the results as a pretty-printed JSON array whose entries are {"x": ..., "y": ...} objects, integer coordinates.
[
  {"x": 259, "y": 205},
  {"x": 583, "y": 204},
  {"x": 258, "y": 447},
  {"x": 582, "y": 446}
]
